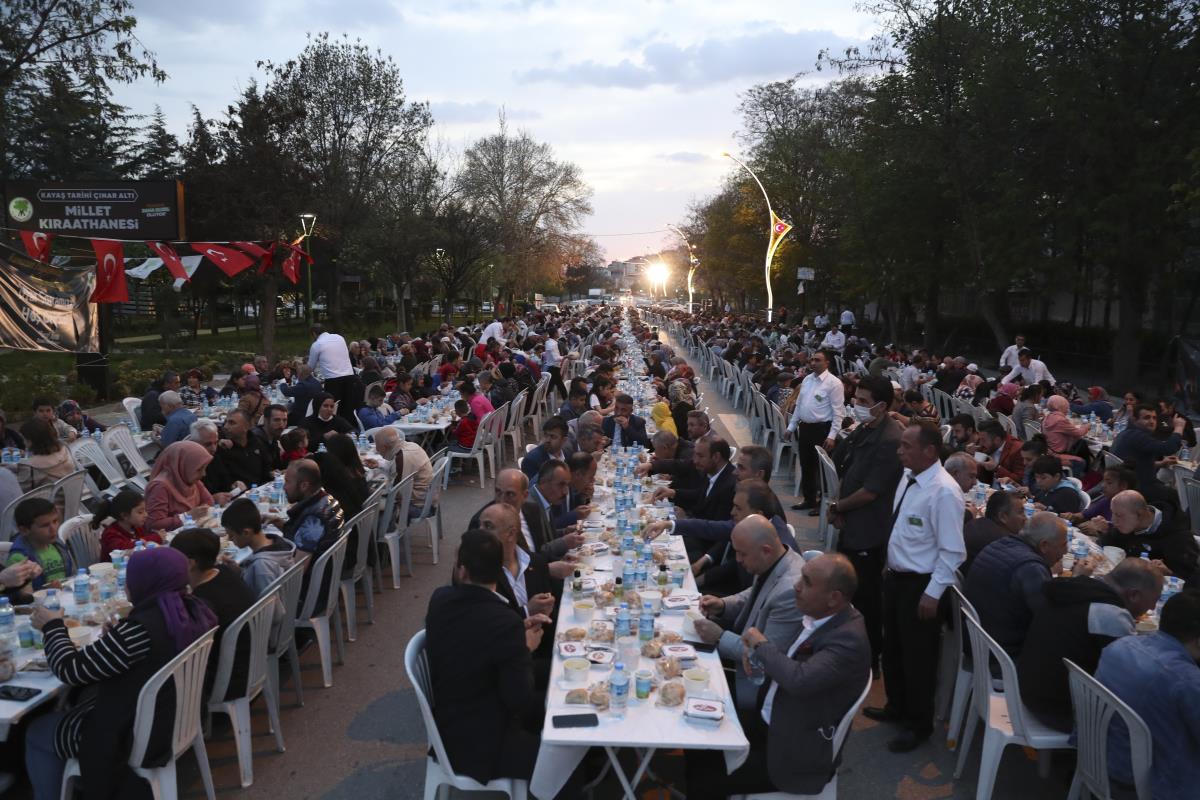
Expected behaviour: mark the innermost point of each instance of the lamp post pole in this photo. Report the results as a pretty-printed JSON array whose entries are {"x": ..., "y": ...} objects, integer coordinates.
[
  {"x": 777, "y": 229},
  {"x": 693, "y": 263},
  {"x": 308, "y": 222}
]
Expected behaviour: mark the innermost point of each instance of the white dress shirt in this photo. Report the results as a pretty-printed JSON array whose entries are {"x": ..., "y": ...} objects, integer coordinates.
[
  {"x": 834, "y": 340},
  {"x": 847, "y": 317},
  {"x": 927, "y": 536},
  {"x": 1008, "y": 359},
  {"x": 810, "y": 627},
  {"x": 494, "y": 330},
  {"x": 517, "y": 582},
  {"x": 551, "y": 356},
  {"x": 1036, "y": 372},
  {"x": 329, "y": 357},
  {"x": 820, "y": 321},
  {"x": 525, "y": 532},
  {"x": 712, "y": 481},
  {"x": 908, "y": 377},
  {"x": 821, "y": 400}
]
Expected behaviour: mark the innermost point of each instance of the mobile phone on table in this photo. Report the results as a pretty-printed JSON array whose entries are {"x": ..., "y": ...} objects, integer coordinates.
[
  {"x": 704, "y": 647},
  {"x": 575, "y": 721},
  {"x": 20, "y": 694}
]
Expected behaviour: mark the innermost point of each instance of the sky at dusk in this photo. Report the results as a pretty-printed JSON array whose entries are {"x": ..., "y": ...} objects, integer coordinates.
[{"x": 641, "y": 94}]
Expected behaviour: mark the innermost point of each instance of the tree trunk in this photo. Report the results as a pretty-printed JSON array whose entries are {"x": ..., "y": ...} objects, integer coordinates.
[
  {"x": 1131, "y": 306},
  {"x": 987, "y": 310},
  {"x": 932, "y": 292},
  {"x": 213, "y": 321},
  {"x": 266, "y": 315}
]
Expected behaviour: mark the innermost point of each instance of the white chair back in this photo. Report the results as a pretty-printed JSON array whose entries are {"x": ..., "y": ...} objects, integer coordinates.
[
  {"x": 8, "y": 521},
  {"x": 1095, "y": 706},
  {"x": 257, "y": 618},
  {"x": 984, "y": 646},
  {"x": 830, "y": 487},
  {"x": 118, "y": 440},
  {"x": 133, "y": 407},
  {"x": 81, "y": 539},
  {"x": 70, "y": 487},
  {"x": 1007, "y": 423},
  {"x": 187, "y": 671},
  {"x": 286, "y": 589},
  {"x": 89, "y": 453},
  {"x": 326, "y": 570},
  {"x": 416, "y": 664},
  {"x": 1032, "y": 429},
  {"x": 1191, "y": 488}
]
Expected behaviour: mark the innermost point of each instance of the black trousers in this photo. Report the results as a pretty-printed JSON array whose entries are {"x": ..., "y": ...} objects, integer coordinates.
[
  {"x": 868, "y": 597},
  {"x": 810, "y": 435},
  {"x": 910, "y": 650},
  {"x": 707, "y": 778},
  {"x": 347, "y": 391},
  {"x": 556, "y": 385}
]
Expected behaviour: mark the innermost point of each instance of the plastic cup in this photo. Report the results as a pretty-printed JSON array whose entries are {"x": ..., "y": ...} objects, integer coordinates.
[
  {"x": 629, "y": 649},
  {"x": 642, "y": 680},
  {"x": 584, "y": 609},
  {"x": 654, "y": 598},
  {"x": 695, "y": 681},
  {"x": 576, "y": 669}
]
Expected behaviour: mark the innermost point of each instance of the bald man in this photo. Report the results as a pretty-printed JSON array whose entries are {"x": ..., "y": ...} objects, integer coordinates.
[
  {"x": 768, "y": 604},
  {"x": 527, "y": 585},
  {"x": 512, "y": 488},
  {"x": 1139, "y": 528},
  {"x": 401, "y": 458}
]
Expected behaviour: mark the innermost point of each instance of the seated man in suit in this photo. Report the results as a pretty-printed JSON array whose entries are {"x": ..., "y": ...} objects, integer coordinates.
[
  {"x": 577, "y": 504},
  {"x": 623, "y": 427},
  {"x": 713, "y": 499},
  {"x": 676, "y": 460},
  {"x": 480, "y": 668},
  {"x": 554, "y": 436},
  {"x": 528, "y": 582},
  {"x": 768, "y": 604},
  {"x": 718, "y": 571},
  {"x": 512, "y": 489},
  {"x": 810, "y": 684}
]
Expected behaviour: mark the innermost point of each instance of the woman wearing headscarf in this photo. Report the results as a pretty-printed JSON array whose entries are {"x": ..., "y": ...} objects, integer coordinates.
[
  {"x": 1005, "y": 400},
  {"x": 98, "y": 730},
  {"x": 70, "y": 413},
  {"x": 660, "y": 412},
  {"x": 1061, "y": 434},
  {"x": 681, "y": 398},
  {"x": 176, "y": 486},
  {"x": 967, "y": 386},
  {"x": 1099, "y": 403},
  {"x": 323, "y": 421}
]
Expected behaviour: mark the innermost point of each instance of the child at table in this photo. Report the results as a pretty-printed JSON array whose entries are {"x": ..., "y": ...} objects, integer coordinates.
[
  {"x": 294, "y": 445},
  {"x": 464, "y": 428},
  {"x": 37, "y": 523},
  {"x": 128, "y": 512}
]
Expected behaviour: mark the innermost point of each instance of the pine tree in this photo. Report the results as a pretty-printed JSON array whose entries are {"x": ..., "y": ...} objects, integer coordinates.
[{"x": 158, "y": 155}]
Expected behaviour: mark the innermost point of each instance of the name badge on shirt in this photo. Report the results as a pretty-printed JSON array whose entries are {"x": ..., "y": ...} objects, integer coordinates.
[
  {"x": 820, "y": 398},
  {"x": 915, "y": 522}
]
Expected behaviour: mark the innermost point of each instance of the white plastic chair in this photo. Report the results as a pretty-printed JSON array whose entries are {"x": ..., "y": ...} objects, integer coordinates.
[
  {"x": 8, "y": 517},
  {"x": 89, "y": 453},
  {"x": 1181, "y": 474},
  {"x": 257, "y": 621},
  {"x": 431, "y": 509},
  {"x": 1005, "y": 719},
  {"x": 363, "y": 524},
  {"x": 82, "y": 541},
  {"x": 287, "y": 587},
  {"x": 1095, "y": 706},
  {"x": 1191, "y": 487},
  {"x": 478, "y": 448},
  {"x": 187, "y": 672},
  {"x": 438, "y": 772},
  {"x": 1032, "y": 429},
  {"x": 118, "y": 441},
  {"x": 133, "y": 407},
  {"x": 494, "y": 446},
  {"x": 1007, "y": 423},
  {"x": 512, "y": 427},
  {"x": 1111, "y": 460},
  {"x": 956, "y": 667},
  {"x": 392, "y": 528},
  {"x": 829, "y": 791},
  {"x": 70, "y": 487},
  {"x": 830, "y": 486},
  {"x": 317, "y": 616}
]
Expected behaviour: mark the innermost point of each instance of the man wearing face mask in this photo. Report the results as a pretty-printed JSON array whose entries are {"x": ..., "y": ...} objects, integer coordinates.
[{"x": 868, "y": 463}]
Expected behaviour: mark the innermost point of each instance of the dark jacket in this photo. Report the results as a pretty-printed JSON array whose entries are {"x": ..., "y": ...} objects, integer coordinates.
[
  {"x": 539, "y": 524},
  {"x": 1081, "y": 616},
  {"x": 817, "y": 686},
  {"x": 317, "y": 429},
  {"x": 314, "y": 524},
  {"x": 273, "y": 449},
  {"x": 150, "y": 412},
  {"x": 229, "y": 597},
  {"x": 978, "y": 534},
  {"x": 534, "y": 460},
  {"x": 250, "y": 464},
  {"x": 482, "y": 678},
  {"x": 726, "y": 576},
  {"x": 683, "y": 472},
  {"x": 869, "y": 459},
  {"x": 1060, "y": 500},
  {"x": 1005, "y": 586},
  {"x": 717, "y": 503},
  {"x": 634, "y": 433},
  {"x": 1171, "y": 541},
  {"x": 302, "y": 394},
  {"x": 1141, "y": 449}
]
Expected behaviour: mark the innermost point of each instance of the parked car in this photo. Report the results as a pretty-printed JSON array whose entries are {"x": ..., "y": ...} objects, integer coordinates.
[{"x": 549, "y": 308}]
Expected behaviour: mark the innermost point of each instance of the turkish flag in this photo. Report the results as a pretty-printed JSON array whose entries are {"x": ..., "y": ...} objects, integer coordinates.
[
  {"x": 291, "y": 264},
  {"x": 170, "y": 258},
  {"x": 263, "y": 254},
  {"x": 230, "y": 261},
  {"x": 37, "y": 245},
  {"x": 110, "y": 272}
]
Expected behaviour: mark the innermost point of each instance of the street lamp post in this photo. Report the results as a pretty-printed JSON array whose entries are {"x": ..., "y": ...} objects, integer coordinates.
[
  {"x": 308, "y": 222},
  {"x": 693, "y": 263},
  {"x": 778, "y": 228}
]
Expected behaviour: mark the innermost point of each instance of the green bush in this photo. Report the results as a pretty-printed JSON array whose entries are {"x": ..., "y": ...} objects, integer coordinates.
[
  {"x": 130, "y": 380},
  {"x": 19, "y": 389}
]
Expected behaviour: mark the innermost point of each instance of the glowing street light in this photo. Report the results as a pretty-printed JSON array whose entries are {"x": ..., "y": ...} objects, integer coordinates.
[
  {"x": 308, "y": 223},
  {"x": 693, "y": 263},
  {"x": 777, "y": 230},
  {"x": 657, "y": 273}
]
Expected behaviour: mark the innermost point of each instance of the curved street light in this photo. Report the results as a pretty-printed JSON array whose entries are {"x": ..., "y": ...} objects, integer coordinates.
[
  {"x": 778, "y": 228},
  {"x": 693, "y": 263},
  {"x": 308, "y": 222}
]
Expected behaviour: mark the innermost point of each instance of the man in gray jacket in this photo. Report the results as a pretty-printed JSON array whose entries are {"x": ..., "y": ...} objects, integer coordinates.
[
  {"x": 810, "y": 685},
  {"x": 767, "y": 605}
]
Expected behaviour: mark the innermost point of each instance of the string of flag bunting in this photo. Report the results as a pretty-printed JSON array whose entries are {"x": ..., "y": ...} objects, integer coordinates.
[{"x": 232, "y": 258}]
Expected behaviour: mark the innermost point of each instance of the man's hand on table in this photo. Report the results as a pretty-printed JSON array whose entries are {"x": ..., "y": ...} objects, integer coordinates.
[
  {"x": 540, "y": 604},
  {"x": 43, "y": 615},
  {"x": 642, "y": 470},
  {"x": 664, "y": 491},
  {"x": 654, "y": 529},
  {"x": 711, "y": 606},
  {"x": 561, "y": 570},
  {"x": 573, "y": 539}
]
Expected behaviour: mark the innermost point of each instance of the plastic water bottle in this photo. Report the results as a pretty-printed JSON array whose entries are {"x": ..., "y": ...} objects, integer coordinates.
[
  {"x": 82, "y": 588},
  {"x": 51, "y": 602},
  {"x": 1029, "y": 509},
  {"x": 321, "y": 448},
  {"x": 646, "y": 623},
  {"x": 121, "y": 578},
  {"x": 640, "y": 573},
  {"x": 629, "y": 575},
  {"x": 618, "y": 690},
  {"x": 7, "y": 616},
  {"x": 980, "y": 495},
  {"x": 624, "y": 623},
  {"x": 1185, "y": 453}
]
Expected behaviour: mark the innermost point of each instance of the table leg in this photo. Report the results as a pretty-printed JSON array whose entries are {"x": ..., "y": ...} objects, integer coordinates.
[{"x": 630, "y": 794}]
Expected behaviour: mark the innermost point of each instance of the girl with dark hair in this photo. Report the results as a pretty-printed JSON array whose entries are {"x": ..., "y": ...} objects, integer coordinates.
[
  {"x": 128, "y": 527},
  {"x": 324, "y": 420},
  {"x": 48, "y": 460}
]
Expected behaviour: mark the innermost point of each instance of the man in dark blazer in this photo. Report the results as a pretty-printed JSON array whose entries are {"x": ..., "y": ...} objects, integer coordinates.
[
  {"x": 624, "y": 428},
  {"x": 480, "y": 669},
  {"x": 810, "y": 685},
  {"x": 512, "y": 489},
  {"x": 713, "y": 499}
]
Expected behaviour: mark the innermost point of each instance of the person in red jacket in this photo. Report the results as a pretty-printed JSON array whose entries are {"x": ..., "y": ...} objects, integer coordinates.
[
  {"x": 128, "y": 512},
  {"x": 1003, "y": 453},
  {"x": 464, "y": 428}
]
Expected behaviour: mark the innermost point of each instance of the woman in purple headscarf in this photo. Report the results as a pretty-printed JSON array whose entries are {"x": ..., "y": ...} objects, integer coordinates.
[{"x": 112, "y": 671}]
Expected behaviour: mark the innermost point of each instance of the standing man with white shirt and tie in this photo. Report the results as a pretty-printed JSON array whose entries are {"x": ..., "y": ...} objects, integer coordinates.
[
  {"x": 329, "y": 359},
  {"x": 815, "y": 422},
  {"x": 848, "y": 321},
  {"x": 925, "y": 549}
]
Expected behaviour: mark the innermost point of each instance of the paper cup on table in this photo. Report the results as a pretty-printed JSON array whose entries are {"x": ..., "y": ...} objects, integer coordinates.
[
  {"x": 576, "y": 669},
  {"x": 654, "y": 598},
  {"x": 584, "y": 609},
  {"x": 695, "y": 681}
]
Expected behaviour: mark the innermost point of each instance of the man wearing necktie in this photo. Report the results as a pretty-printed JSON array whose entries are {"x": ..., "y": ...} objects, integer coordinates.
[{"x": 925, "y": 548}]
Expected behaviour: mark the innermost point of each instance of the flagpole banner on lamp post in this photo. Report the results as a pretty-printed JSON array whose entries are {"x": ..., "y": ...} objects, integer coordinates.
[{"x": 778, "y": 229}]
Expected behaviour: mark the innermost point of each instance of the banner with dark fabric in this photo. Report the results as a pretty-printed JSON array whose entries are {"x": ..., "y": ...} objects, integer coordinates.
[{"x": 46, "y": 308}]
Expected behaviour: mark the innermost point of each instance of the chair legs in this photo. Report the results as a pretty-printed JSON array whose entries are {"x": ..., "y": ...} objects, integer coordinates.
[
  {"x": 350, "y": 608},
  {"x": 243, "y": 737},
  {"x": 958, "y": 707},
  {"x": 320, "y": 626},
  {"x": 993, "y": 749},
  {"x": 393, "y": 544},
  {"x": 971, "y": 723},
  {"x": 294, "y": 659},
  {"x": 338, "y": 642},
  {"x": 205, "y": 772},
  {"x": 435, "y": 533}
]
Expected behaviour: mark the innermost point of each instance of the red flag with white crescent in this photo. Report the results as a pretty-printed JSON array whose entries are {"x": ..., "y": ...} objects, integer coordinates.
[
  {"x": 110, "y": 272},
  {"x": 291, "y": 265},
  {"x": 170, "y": 258},
  {"x": 263, "y": 255},
  {"x": 230, "y": 261},
  {"x": 37, "y": 245}
]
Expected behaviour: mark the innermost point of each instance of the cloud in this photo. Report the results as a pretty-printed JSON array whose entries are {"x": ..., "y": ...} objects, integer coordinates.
[
  {"x": 685, "y": 157},
  {"x": 450, "y": 112},
  {"x": 769, "y": 53}
]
